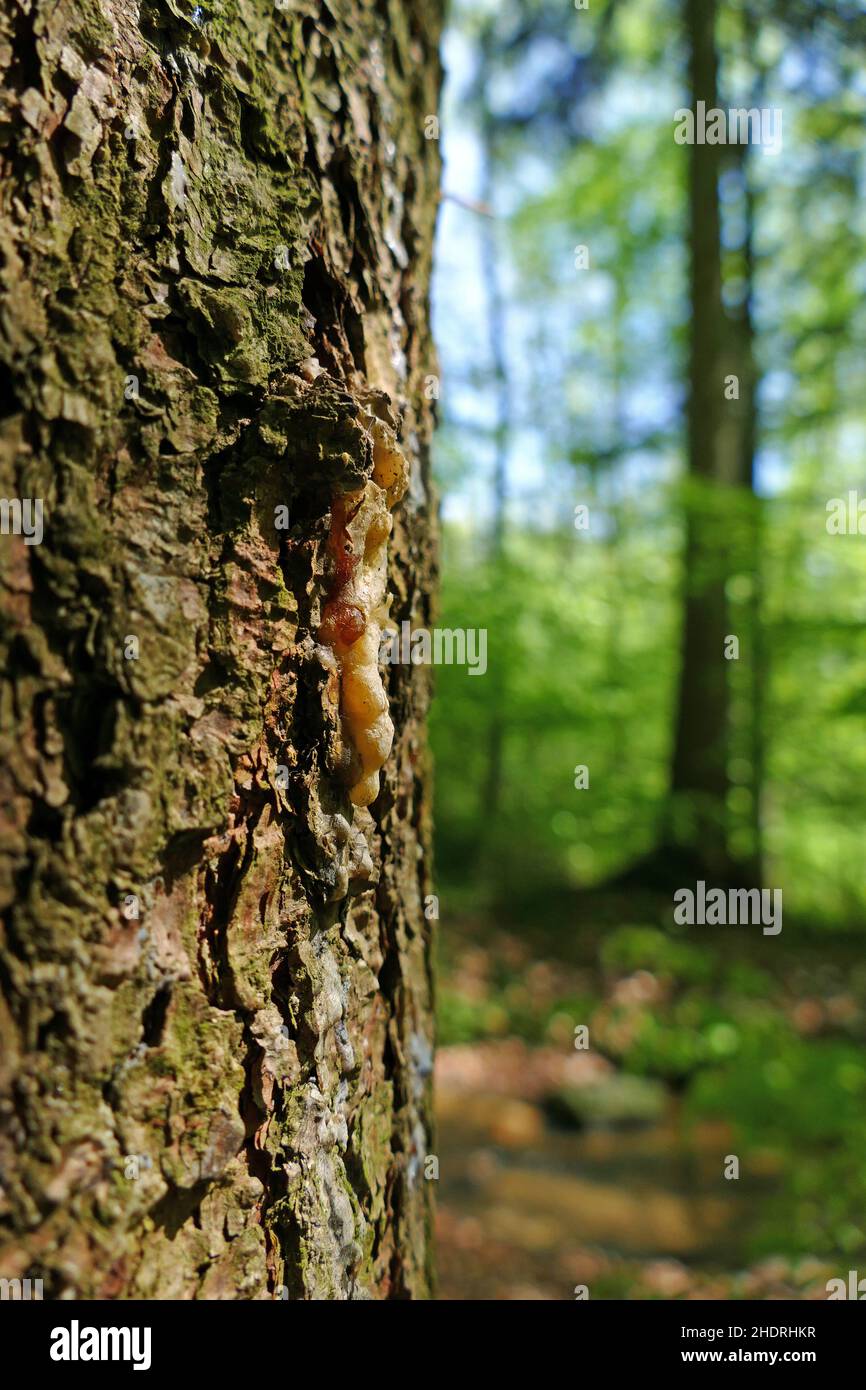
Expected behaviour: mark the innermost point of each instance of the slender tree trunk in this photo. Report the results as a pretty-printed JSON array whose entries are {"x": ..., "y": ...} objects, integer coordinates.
[
  {"x": 699, "y": 780},
  {"x": 759, "y": 668},
  {"x": 216, "y": 1037}
]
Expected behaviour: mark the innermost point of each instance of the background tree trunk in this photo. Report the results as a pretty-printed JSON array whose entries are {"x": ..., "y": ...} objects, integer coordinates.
[
  {"x": 227, "y": 1095},
  {"x": 699, "y": 778}
]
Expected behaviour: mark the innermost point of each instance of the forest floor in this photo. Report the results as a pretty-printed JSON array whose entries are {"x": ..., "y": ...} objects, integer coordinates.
[{"x": 605, "y": 1165}]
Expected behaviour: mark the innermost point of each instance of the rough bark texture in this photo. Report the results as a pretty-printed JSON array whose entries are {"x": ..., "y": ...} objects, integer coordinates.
[{"x": 227, "y": 1096}]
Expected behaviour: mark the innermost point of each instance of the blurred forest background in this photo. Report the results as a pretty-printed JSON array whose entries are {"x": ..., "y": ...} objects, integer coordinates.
[{"x": 595, "y": 379}]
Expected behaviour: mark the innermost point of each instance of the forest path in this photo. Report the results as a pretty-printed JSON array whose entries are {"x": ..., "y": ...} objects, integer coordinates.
[{"x": 528, "y": 1209}]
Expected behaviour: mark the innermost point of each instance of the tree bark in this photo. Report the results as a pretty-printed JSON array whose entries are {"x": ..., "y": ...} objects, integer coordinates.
[{"x": 216, "y": 229}]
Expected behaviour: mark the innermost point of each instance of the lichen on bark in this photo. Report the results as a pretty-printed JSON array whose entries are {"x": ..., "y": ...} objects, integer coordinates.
[{"x": 215, "y": 231}]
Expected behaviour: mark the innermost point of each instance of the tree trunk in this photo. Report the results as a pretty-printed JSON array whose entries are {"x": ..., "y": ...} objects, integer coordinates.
[
  {"x": 216, "y": 1038},
  {"x": 699, "y": 781}
]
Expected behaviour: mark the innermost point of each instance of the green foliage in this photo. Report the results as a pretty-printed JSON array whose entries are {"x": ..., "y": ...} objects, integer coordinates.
[
  {"x": 647, "y": 948},
  {"x": 584, "y": 626},
  {"x": 582, "y": 642}
]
